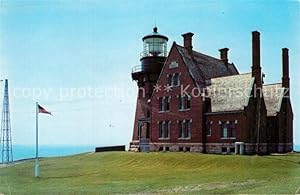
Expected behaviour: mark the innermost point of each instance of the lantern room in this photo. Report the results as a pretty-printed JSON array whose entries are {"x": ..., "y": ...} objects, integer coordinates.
[
  {"x": 155, "y": 44},
  {"x": 152, "y": 58}
]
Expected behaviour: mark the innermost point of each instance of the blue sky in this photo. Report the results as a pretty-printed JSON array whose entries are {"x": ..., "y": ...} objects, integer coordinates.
[{"x": 64, "y": 48}]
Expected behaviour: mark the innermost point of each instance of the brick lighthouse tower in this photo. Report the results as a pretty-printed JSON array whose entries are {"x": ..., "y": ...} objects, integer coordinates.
[{"x": 146, "y": 75}]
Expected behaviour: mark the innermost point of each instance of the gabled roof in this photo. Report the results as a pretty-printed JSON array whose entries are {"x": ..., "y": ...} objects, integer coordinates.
[
  {"x": 230, "y": 93},
  {"x": 273, "y": 95},
  {"x": 203, "y": 67}
]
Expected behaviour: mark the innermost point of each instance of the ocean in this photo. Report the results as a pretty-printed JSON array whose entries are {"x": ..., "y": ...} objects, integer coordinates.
[{"x": 25, "y": 151}]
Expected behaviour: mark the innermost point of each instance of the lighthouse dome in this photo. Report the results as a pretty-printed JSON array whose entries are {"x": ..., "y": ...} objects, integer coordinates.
[{"x": 155, "y": 44}]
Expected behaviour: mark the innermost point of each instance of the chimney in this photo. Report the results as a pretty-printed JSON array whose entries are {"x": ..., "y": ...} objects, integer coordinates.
[
  {"x": 285, "y": 69},
  {"x": 256, "y": 69},
  {"x": 224, "y": 55},
  {"x": 187, "y": 42}
]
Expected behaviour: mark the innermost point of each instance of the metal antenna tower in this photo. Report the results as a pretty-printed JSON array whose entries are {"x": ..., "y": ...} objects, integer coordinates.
[{"x": 6, "y": 142}]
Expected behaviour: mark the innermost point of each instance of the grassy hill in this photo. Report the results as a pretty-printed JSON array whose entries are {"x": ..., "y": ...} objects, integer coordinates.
[{"x": 181, "y": 173}]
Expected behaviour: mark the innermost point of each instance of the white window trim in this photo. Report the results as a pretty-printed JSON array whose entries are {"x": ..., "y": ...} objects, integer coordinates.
[
  {"x": 183, "y": 99},
  {"x": 164, "y": 126},
  {"x": 228, "y": 137},
  {"x": 227, "y": 122},
  {"x": 189, "y": 121},
  {"x": 178, "y": 80},
  {"x": 162, "y": 138},
  {"x": 184, "y": 138},
  {"x": 183, "y": 127},
  {"x": 172, "y": 79},
  {"x": 208, "y": 135},
  {"x": 186, "y": 109},
  {"x": 160, "y": 129},
  {"x": 173, "y": 64},
  {"x": 169, "y": 129},
  {"x": 163, "y": 104},
  {"x": 210, "y": 129},
  {"x": 180, "y": 122}
]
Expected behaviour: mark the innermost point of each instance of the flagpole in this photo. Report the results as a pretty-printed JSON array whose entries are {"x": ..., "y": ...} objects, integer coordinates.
[{"x": 36, "y": 167}]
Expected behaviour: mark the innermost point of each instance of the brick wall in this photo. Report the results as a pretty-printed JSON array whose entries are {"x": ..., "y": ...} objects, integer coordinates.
[
  {"x": 216, "y": 129},
  {"x": 174, "y": 114}
]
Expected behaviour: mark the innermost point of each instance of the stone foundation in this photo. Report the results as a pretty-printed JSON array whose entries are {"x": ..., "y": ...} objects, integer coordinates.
[
  {"x": 273, "y": 147},
  {"x": 280, "y": 147},
  {"x": 251, "y": 148},
  {"x": 215, "y": 148},
  {"x": 177, "y": 147},
  {"x": 285, "y": 147},
  {"x": 134, "y": 146},
  {"x": 220, "y": 148},
  {"x": 289, "y": 147}
]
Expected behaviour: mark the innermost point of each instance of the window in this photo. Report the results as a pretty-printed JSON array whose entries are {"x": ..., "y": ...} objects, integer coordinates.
[
  {"x": 167, "y": 129},
  {"x": 188, "y": 129},
  {"x": 181, "y": 102},
  {"x": 184, "y": 102},
  {"x": 173, "y": 64},
  {"x": 224, "y": 149},
  {"x": 223, "y": 129},
  {"x": 160, "y": 129},
  {"x": 164, "y": 129},
  {"x": 208, "y": 128},
  {"x": 164, "y": 103},
  {"x": 228, "y": 129},
  {"x": 188, "y": 102},
  {"x": 231, "y": 129},
  {"x": 184, "y": 129},
  {"x": 180, "y": 129},
  {"x": 161, "y": 106},
  {"x": 170, "y": 79},
  {"x": 176, "y": 79},
  {"x": 173, "y": 80},
  {"x": 167, "y": 103}
]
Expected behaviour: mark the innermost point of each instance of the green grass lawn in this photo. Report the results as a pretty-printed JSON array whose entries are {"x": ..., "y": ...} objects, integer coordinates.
[{"x": 163, "y": 173}]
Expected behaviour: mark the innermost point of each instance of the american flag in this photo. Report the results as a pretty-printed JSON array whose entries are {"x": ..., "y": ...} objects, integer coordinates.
[{"x": 43, "y": 110}]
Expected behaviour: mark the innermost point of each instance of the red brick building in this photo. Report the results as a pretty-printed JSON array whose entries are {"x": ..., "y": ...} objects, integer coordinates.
[{"x": 189, "y": 101}]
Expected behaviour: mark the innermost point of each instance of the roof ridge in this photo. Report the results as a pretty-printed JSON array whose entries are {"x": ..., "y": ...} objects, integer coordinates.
[
  {"x": 231, "y": 75},
  {"x": 204, "y": 67},
  {"x": 230, "y": 65},
  {"x": 272, "y": 84},
  {"x": 203, "y": 54},
  {"x": 206, "y": 55},
  {"x": 192, "y": 61}
]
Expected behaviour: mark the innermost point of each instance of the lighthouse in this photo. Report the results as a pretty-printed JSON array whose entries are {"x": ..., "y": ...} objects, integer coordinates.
[{"x": 146, "y": 74}]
